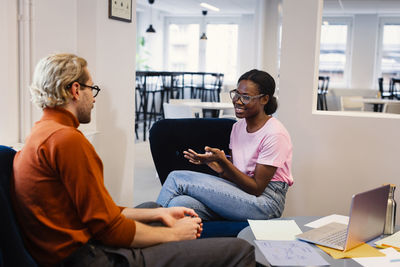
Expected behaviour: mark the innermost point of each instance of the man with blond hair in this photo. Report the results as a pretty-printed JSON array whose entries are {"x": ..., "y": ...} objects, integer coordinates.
[{"x": 66, "y": 214}]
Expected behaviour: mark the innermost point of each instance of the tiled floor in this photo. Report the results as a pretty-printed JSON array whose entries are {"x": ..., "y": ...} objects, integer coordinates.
[{"x": 146, "y": 184}]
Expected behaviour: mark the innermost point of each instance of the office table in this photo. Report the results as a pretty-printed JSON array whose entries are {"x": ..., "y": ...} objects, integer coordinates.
[
  {"x": 378, "y": 103},
  {"x": 248, "y": 235},
  {"x": 208, "y": 105}
]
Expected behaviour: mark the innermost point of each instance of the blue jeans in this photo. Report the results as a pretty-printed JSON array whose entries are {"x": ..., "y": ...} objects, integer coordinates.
[{"x": 214, "y": 198}]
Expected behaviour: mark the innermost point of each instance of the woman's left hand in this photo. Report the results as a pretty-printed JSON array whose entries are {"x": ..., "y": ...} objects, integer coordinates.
[
  {"x": 212, "y": 154},
  {"x": 212, "y": 157}
]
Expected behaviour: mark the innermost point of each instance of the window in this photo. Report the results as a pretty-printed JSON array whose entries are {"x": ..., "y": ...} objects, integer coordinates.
[
  {"x": 186, "y": 52},
  {"x": 334, "y": 51},
  {"x": 221, "y": 50},
  {"x": 183, "y": 47},
  {"x": 389, "y": 49}
]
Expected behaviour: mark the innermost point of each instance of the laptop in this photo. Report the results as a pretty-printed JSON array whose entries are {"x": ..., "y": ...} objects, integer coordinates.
[{"x": 366, "y": 222}]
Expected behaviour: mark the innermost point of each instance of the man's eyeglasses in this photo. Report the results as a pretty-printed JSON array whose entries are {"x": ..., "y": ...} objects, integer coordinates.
[
  {"x": 245, "y": 99},
  {"x": 95, "y": 89}
]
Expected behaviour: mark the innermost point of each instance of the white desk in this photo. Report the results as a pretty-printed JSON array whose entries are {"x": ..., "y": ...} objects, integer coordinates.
[
  {"x": 208, "y": 105},
  {"x": 189, "y": 109},
  {"x": 301, "y": 221},
  {"x": 379, "y": 103}
]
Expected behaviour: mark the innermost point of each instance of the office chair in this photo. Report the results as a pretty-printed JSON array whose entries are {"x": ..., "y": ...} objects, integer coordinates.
[
  {"x": 13, "y": 252},
  {"x": 170, "y": 137},
  {"x": 395, "y": 87},
  {"x": 323, "y": 85}
]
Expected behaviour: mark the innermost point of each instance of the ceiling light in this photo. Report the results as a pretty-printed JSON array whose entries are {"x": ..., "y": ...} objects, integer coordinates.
[{"x": 210, "y": 7}]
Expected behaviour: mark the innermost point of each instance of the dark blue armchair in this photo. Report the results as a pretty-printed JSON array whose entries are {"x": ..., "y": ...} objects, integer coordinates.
[
  {"x": 13, "y": 252},
  {"x": 170, "y": 137}
]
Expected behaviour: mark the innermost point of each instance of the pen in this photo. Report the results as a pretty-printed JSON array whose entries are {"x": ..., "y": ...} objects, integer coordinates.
[
  {"x": 394, "y": 260},
  {"x": 391, "y": 246}
]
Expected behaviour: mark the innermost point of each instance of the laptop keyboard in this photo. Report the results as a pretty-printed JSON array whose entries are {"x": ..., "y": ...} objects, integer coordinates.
[{"x": 337, "y": 239}]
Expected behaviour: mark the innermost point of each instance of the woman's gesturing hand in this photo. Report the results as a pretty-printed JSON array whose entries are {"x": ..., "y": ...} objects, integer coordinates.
[{"x": 211, "y": 157}]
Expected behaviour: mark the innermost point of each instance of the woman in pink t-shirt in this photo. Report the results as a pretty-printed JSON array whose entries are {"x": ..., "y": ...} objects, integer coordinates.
[{"x": 254, "y": 177}]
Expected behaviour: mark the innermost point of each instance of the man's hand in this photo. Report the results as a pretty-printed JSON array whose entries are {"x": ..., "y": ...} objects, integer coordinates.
[
  {"x": 187, "y": 228},
  {"x": 169, "y": 216}
]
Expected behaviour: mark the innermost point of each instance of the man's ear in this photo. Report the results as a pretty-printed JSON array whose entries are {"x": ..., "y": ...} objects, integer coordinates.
[{"x": 75, "y": 90}]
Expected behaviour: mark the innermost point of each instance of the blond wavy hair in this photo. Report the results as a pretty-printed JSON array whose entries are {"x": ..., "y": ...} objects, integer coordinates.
[{"x": 52, "y": 77}]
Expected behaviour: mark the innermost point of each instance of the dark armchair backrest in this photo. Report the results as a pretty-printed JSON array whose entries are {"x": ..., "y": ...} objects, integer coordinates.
[
  {"x": 170, "y": 137},
  {"x": 13, "y": 252}
]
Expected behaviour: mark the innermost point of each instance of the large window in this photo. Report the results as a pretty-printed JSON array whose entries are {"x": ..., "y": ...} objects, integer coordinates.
[
  {"x": 186, "y": 52},
  {"x": 221, "y": 50},
  {"x": 334, "y": 51},
  {"x": 183, "y": 47},
  {"x": 389, "y": 49}
]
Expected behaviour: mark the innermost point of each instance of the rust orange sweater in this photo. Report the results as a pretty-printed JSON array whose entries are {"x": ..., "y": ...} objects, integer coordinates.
[{"x": 59, "y": 194}]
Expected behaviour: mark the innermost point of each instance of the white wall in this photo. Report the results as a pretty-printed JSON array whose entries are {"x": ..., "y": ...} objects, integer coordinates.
[
  {"x": 334, "y": 156},
  {"x": 82, "y": 27},
  {"x": 52, "y": 32},
  {"x": 246, "y": 44},
  {"x": 9, "y": 111},
  {"x": 115, "y": 73},
  {"x": 267, "y": 25}
]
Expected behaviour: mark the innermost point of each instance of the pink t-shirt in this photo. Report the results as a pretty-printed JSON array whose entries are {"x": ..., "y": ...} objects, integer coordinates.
[{"x": 270, "y": 145}]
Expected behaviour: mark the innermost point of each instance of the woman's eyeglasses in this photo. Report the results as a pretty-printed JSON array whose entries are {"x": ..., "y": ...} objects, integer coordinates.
[
  {"x": 95, "y": 89},
  {"x": 245, "y": 99}
]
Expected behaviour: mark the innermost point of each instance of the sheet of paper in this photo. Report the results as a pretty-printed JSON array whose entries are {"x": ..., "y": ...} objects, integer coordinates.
[
  {"x": 364, "y": 250},
  {"x": 392, "y": 258},
  {"x": 290, "y": 253},
  {"x": 274, "y": 229},
  {"x": 328, "y": 219},
  {"x": 392, "y": 241}
]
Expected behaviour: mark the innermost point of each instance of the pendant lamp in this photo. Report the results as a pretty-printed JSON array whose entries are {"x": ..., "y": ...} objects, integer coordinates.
[
  {"x": 204, "y": 36},
  {"x": 150, "y": 29}
]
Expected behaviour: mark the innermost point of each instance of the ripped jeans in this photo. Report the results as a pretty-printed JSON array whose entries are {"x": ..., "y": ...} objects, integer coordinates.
[{"x": 214, "y": 198}]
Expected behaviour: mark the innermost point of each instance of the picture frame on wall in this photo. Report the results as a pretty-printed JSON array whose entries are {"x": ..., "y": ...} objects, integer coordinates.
[{"x": 120, "y": 10}]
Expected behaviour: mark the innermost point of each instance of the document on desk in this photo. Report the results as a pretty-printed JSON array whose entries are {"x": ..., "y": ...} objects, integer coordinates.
[
  {"x": 390, "y": 241},
  {"x": 392, "y": 258},
  {"x": 290, "y": 253},
  {"x": 274, "y": 229},
  {"x": 328, "y": 219}
]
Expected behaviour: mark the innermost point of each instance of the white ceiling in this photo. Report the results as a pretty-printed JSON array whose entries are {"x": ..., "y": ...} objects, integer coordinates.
[
  {"x": 362, "y": 6},
  {"x": 192, "y": 7},
  {"x": 238, "y": 7}
]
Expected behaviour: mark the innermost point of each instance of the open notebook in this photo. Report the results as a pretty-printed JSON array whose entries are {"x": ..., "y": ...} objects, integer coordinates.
[{"x": 366, "y": 221}]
